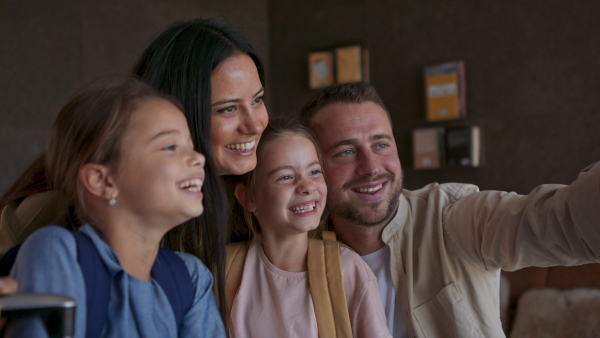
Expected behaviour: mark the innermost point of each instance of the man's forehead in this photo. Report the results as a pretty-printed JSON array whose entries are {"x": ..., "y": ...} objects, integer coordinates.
[
  {"x": 342, "y": 108},
  {"x": 341, "y": 120}
]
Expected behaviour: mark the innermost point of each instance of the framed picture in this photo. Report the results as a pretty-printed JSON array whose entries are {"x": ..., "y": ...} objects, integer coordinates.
[
  {"x": 428, "y": 148},
  {"x": 320, "y": 69},
  {"x": 349, "y": 65},
  {"x": 445, "y": 91},
  {"x": 463, "y": 146},
  {"x": 338, "y": 64}
]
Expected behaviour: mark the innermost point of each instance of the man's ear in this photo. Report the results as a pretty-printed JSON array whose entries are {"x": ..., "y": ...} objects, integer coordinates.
[
  {"x": 241, "y": 193},
  {"x": 97, "y": 181}
]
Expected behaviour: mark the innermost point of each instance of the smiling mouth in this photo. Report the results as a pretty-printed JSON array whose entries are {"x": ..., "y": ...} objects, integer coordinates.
[
  {"x": 241, "y": 146},
  {"x": 369, "y": 190},
  {"x": 300, "y": 209},
  {"x": 193, "y": 185}
]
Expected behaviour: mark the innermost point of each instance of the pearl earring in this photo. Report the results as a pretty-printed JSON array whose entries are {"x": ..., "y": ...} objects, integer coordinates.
[{"x": 112, "y": 201}]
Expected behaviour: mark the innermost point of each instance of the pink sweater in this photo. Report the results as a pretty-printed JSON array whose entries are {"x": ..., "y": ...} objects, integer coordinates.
[{"x": 275, "y": 303}]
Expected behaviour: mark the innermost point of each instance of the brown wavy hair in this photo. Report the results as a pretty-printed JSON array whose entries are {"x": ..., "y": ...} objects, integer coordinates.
[
  {"x": 245, "y": 226},
  {"x": 89, "y": 129}
]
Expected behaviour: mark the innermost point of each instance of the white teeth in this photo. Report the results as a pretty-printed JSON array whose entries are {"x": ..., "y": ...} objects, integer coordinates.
[
  {"x": 369, "y": 190},
  {"x": 241, "y": 146},
  {"x": 193, "y": 185},
  {"x": 304, "y": 208}
]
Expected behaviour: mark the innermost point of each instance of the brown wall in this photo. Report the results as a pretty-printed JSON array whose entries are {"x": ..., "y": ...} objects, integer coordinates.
[
  {"x": 533, "y": 69},
  {"x": 51, "y": 48},
  {"x": 533, "y": 73}
]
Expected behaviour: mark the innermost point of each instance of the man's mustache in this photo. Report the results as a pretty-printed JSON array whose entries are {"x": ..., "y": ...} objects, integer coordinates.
[{"x": 387, "y": 176}]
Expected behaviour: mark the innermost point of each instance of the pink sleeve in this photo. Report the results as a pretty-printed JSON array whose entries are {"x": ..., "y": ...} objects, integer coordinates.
[{"x": 365, "y": 307}]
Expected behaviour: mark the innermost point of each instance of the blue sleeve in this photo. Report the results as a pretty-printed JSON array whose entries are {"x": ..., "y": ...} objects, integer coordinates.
[
  {"x": 47, "y": 263},
  {"x": 203, "y": 319}
]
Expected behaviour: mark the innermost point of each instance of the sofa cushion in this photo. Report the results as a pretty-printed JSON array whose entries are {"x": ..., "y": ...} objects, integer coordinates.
[{"x": 550, "y": 312}]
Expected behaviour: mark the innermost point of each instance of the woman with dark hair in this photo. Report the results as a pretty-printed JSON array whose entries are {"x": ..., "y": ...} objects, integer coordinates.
[
  {"x": 216, "y": 75},
  {"x": 187, "y": 61}
]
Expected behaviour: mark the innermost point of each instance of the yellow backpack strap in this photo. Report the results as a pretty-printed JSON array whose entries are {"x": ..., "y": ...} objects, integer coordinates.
[
  {"x": 327, "y": 287},
  {"x": 234, "y": 267}
]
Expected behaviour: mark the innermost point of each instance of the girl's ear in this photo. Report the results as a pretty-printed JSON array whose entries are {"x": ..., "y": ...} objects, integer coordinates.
[
  {"x": 96, "y": 180},
  {"x": 241, "y": 193}
]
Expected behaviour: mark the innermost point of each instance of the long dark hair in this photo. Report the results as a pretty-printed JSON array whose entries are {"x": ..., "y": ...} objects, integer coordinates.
[{"x": 180, "y": 62}]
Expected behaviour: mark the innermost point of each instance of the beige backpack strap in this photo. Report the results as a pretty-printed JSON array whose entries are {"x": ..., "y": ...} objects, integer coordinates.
[
  {"x": 234, "y": 267},
  {"x": 327, "y": 287}
]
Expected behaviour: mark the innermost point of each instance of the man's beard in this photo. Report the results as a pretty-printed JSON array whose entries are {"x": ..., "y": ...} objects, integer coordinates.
[{"x": 349, "y": 212}]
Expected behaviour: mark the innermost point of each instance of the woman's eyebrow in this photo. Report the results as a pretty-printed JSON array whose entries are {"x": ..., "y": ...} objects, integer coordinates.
[
  {"x": 226, "y": 101},
  {"x": 237, "y": 99},
  {"x": 262, "y": 89}
]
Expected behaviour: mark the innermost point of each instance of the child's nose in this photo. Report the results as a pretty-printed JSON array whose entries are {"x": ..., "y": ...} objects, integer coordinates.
[
  {"x": 306, "y": 186},
  {"x": 198, "y": 159}
]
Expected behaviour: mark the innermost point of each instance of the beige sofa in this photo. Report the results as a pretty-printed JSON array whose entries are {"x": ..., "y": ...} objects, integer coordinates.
[{"x": 553, "y": 302}]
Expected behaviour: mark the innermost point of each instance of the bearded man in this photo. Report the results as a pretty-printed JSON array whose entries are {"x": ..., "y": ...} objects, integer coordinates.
[{"x": 438, "y": 251}]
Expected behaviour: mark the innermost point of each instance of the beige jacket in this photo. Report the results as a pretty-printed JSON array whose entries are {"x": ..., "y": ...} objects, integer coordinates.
[{"x": 449, "y": 242}]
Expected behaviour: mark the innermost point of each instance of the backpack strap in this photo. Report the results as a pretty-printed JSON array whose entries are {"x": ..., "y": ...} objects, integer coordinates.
[
  {"x": 327, "y": 287},
  {"x": 171, "y": 273},
  {"x": 95, "y": 275},
  {"x": 234, "y": 267},
  {"x": 169, "y": 270},
  {"x": 97, "y": 284}
]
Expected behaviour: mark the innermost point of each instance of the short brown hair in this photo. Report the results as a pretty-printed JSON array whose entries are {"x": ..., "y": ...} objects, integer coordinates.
[{"x": 341, "y": 93}]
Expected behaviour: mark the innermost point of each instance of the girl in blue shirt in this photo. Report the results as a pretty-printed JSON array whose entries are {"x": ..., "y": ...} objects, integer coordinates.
[{"x": 122, "y": 155}]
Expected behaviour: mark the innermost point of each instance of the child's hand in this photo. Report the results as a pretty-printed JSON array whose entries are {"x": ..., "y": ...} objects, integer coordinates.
[{"x": 7, "y": 286}]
